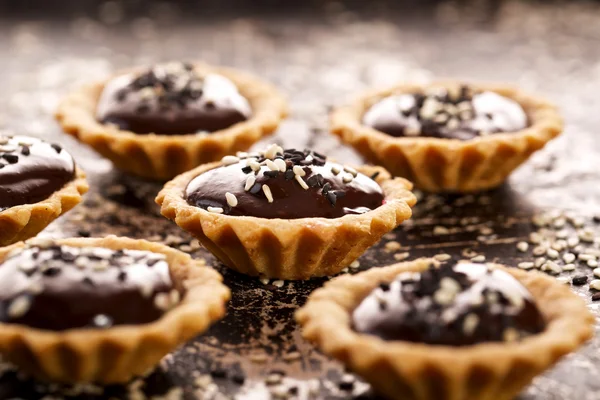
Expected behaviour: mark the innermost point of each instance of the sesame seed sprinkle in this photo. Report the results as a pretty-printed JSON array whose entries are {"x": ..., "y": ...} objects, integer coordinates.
[
  {"x": 301, "y": 182},
  {"x": 267, "y": 190},
  {"x": 232, "y": 201}
]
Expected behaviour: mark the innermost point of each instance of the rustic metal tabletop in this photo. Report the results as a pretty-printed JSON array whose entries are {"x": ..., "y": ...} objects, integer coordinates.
[{"x": 320, "y": 54}]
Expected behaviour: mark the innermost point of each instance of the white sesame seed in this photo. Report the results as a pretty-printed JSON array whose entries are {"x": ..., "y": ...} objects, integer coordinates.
[
  {"x": 351, "y": 170},
  {"x": 298, "y": 170},
  {"x": 412, "y": 130},
  {"x": 551, "y": 267},
  {"x": 592, "y": 263},
  {"x": 569, "y": 267},
  {"x": 228, "y": 160},
  {"x": 552, "y": 253},
  {"x": 572, "y": 241},
  {"x": 522, "y": 246},
  {"x": 336, "y": 170},
  {"x": 595, "y": 284},
  {"x": 280, "y": 164},
  {"x": 539, "y": 250},
  {"x": 401, "y": 256},
  {"x": 309, "y": 158},
  {"x": 254, "y": 165},
  {"x": 525, "y": 265},
  {"x": 272, "y": 151},
  {"x": 479, "y": 258},
  {"x": 264, "y": 281},
  {"x": 597, "y": 272},
  {"x": 267, "y": 190},
  {"x": 470, "y": 324},
  {"x": 301, "y": 182},
  {"x": 242, "y": 154},
  {"x": 19, "y": 307},
  {"x": 442, "y": 257},
  {"x": 231, "y": 199},
  {"x": 440, "y": 230},
  {"x": 443, "y": 297},
  {"x": 250, "y": 182},
  {"x": 450, "y": 285},
  {"x": 569, "y": 257},
  {"x": 216, "y": 210},
  {"x": 539, "y": 262},
  {"x": 355, "y": 264},
  {"x": 585, "y": 257},
  {"x": 162, "y": 301},
  {"x": 272, "y": 166},
  {"x": 564, "y": 280},
  {"x": 535, "y": 238},
  {"x": 347, "y": 178},
  {"x": 278, "y": 283}
]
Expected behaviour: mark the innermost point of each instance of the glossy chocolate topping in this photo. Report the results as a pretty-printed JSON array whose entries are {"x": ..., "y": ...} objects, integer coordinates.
[
  {"x": 456, "y": 305},
  {"x": 285, "y": 184},
  {"x": 61, "y": 287},
  {"x": 455, "y": 114},
  {"x": 172, "y": 99},
  {"x": 31, "y": 170}
]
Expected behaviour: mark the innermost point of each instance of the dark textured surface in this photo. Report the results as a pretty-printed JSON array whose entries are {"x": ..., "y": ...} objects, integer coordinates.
[{"x": 319, "y": 58}]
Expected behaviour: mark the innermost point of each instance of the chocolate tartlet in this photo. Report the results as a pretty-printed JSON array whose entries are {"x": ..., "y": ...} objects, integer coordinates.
[
  {"x": 160, "y": 121},
  {"x": 463, "y": 332},
  {"x": 291, "y": 184},
  {"x": 101, "y": 310},
  {"x": 442, "y": 113},
  {"x": 38, "y": 182},
  {"x": 458, "y": 305},
  {"x": 89, "y": 285},
  {"x": 172, "y": 99},
  {"x": 286, "y": 214},
  {"x": 448, "y": 137}
]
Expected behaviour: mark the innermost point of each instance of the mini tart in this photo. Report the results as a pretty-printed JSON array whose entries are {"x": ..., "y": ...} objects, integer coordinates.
[
  {"x": 412, "y": 370},
  {"x": 445, "y": 164},
  {"x": 291, "y": 247},
  {"x": 159, "y": 156},
  {"x": 114, "y": 354},
  {"x": 23, "y": 221}
]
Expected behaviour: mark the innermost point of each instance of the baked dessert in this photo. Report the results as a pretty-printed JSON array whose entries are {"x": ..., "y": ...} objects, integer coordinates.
[
  {"x": 287, "y": 214},
  {"x": 448, "y": 137},
  {"x": 101, "y": 310},
  {"x": 418, "y": 330},
  {"x": 39, "y": 181},
  {"x": 160, "y": 121}
]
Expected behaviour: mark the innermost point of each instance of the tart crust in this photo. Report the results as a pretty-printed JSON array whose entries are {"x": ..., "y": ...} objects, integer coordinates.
[
  {"x": 449, "y": 165},
  {"x": 117, "y": 354},
  {"x": 162, "y": 157},
  {"x": 288, "y": 248},
  {"x": 25, "y": 221},
  {"x": 406, "y": 370}
]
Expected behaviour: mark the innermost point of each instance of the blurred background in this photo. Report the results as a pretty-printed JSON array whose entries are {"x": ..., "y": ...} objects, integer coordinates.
[{"x": 320, "y": 54}]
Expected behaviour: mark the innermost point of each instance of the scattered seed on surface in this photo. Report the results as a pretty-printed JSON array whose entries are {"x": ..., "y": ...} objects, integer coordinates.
[{"x": 231, "y": 199}]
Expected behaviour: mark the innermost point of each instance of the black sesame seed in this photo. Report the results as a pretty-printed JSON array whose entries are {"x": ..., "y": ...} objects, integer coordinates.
[
  {"x": 256, "y": 188},
  {"x": 340, "y": 193},
  {"x": 52, "y": 271},
  {"x": 312, "y": 181},
  {"x": 346, "y": 384},
  {"x": 56, "y": 147},
  {"x": 596, "y": 297},
  {"x": 326, "y": 188},
  {"x": 11, "y": 158},
  {"x": 122, "y": 276},
  {"x": 271, "y": 174},
  {"x": 384, "y": 286},
  {"x": 247, "y": 170},
  {"x": 25, "y": 150},
  {"x": 238, "y": 378},
  {"x": 289, "y": 175},
  {"x": 375, "y": 175},
  {"x": 293, "y": 390},
  {"x": 152, "y": 262},
  {"x": 218, "y": 372},
  {"x": 88, "y": 281},
  {"x": 579, "y": 280},
  {"x": 331, "y": 197}
]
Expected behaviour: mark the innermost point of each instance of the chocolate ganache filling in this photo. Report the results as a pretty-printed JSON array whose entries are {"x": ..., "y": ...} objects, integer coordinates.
[
  {"x": 172, "y": 99},
  {"x": 31, "y": 170},
  {"x": 458, "y": 305},
  {"x": 449, "y": 114},
  {"x": 284, "y": 184},
  {"x": 62, "y": 287}
]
